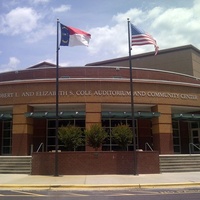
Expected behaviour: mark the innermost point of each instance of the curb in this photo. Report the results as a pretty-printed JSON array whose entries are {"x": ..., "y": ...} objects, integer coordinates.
[{"x": 99, "y": 186}]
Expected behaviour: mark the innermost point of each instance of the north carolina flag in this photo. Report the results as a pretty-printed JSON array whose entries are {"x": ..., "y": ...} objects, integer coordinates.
[{"x": 73, "y": 37}]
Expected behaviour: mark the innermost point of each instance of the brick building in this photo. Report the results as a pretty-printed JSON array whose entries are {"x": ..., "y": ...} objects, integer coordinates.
[{"x": 166, "y": 102}]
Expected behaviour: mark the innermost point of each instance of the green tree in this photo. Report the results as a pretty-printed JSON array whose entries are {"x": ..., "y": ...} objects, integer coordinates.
[
  {"x": 95, "y": 136},
  {"x": 70, "y": 136},
  {"x": 122, "y": 135}
]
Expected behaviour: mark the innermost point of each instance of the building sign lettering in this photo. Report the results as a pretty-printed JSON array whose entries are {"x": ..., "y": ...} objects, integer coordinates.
[{"x": 113, "y": 93}]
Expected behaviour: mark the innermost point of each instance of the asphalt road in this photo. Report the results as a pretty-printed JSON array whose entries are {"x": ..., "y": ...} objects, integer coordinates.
[{"x": 123, "y": 194}]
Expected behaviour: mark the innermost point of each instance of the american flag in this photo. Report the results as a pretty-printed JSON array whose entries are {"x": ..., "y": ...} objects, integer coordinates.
[{"x": 141, "y": 38}]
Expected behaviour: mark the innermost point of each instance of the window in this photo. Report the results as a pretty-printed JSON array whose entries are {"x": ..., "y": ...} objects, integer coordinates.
[
  {"x": 176, "y": 137},
  {"x": 51, "y": 132},
  {"x": 108, "y": 124},
  {"x": 6, "y": 137}
]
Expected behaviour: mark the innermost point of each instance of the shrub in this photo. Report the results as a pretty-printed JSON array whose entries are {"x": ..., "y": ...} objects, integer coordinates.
[
  {"x": 95, "y": 136},
  {"x": 70, "y": 136},
  {"x": 122, "y": 135}
]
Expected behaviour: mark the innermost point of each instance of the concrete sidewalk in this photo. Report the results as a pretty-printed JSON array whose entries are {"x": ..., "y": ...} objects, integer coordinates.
[{"x": 24, "y": 181}]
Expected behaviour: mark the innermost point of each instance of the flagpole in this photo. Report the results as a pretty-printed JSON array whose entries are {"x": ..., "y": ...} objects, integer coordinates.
[
  {"x": 132, "y": 101},
  {"x": 57, "y": 100}
]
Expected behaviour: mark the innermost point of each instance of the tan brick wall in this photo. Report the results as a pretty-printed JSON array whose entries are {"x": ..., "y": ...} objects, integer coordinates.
[
  {"x": 93, "y": 114},
  {"x": 22, "y": 130},
  {"x": 162, "y": 129}
]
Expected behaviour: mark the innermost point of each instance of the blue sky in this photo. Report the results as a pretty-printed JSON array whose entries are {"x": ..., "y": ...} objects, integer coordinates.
[{"x": 28, "y": 28}]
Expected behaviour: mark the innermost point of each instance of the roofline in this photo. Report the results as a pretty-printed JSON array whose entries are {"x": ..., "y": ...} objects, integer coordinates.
[
  {"x": 42, "y": 63},
  {"x": 152, "y": 53}
]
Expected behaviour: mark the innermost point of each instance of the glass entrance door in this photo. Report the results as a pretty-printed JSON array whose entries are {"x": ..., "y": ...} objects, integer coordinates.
[{"x": 195, "y": 137}]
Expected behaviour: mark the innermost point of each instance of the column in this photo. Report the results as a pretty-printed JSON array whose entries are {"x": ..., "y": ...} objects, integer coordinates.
[
  {"x": 22, "y": 131},
  {"x": 162, "y": 130},
  {"x": 93, "y": 115}
]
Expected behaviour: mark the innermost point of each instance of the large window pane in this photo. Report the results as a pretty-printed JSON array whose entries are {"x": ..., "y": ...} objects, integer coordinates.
[
  {"x": 109, "y": 144},
  {"x": 194, "y": 125},
  {"x": 176, "y": 137},
  {"x": 6, "y": 137},
  {"x": 51, "y": 132}
]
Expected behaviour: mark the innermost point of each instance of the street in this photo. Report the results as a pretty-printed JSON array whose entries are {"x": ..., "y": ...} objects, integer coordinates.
[{"x": 122, "y": 194}]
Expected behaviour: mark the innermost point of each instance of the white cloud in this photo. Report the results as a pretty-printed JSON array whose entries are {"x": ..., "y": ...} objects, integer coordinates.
[
  {"x": 136, "y": 14},
  {"x": 13, "y": 62},
  {"x": 154, "y": 13},
  {"x": 106, "y": 40},
  {"x": 39, "y": 1},
  {"x": 173, "y": 18},
  {"x": 42, "y": 32},
  {"x": 178, "y": 26},
  {"x": 170, "y": 27},
  {"x": 27, "y": 23},
  {"x": 19, "y": 20},
  {"x": 11, "y": 65},
  {"x": 62, "y": 8}
]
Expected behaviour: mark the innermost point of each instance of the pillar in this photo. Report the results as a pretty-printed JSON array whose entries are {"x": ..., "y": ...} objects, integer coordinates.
[
  {"x": 162, "y": 130},
  {"x": 93, "y": 115},
  {"x": 22, "y": 131}
]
